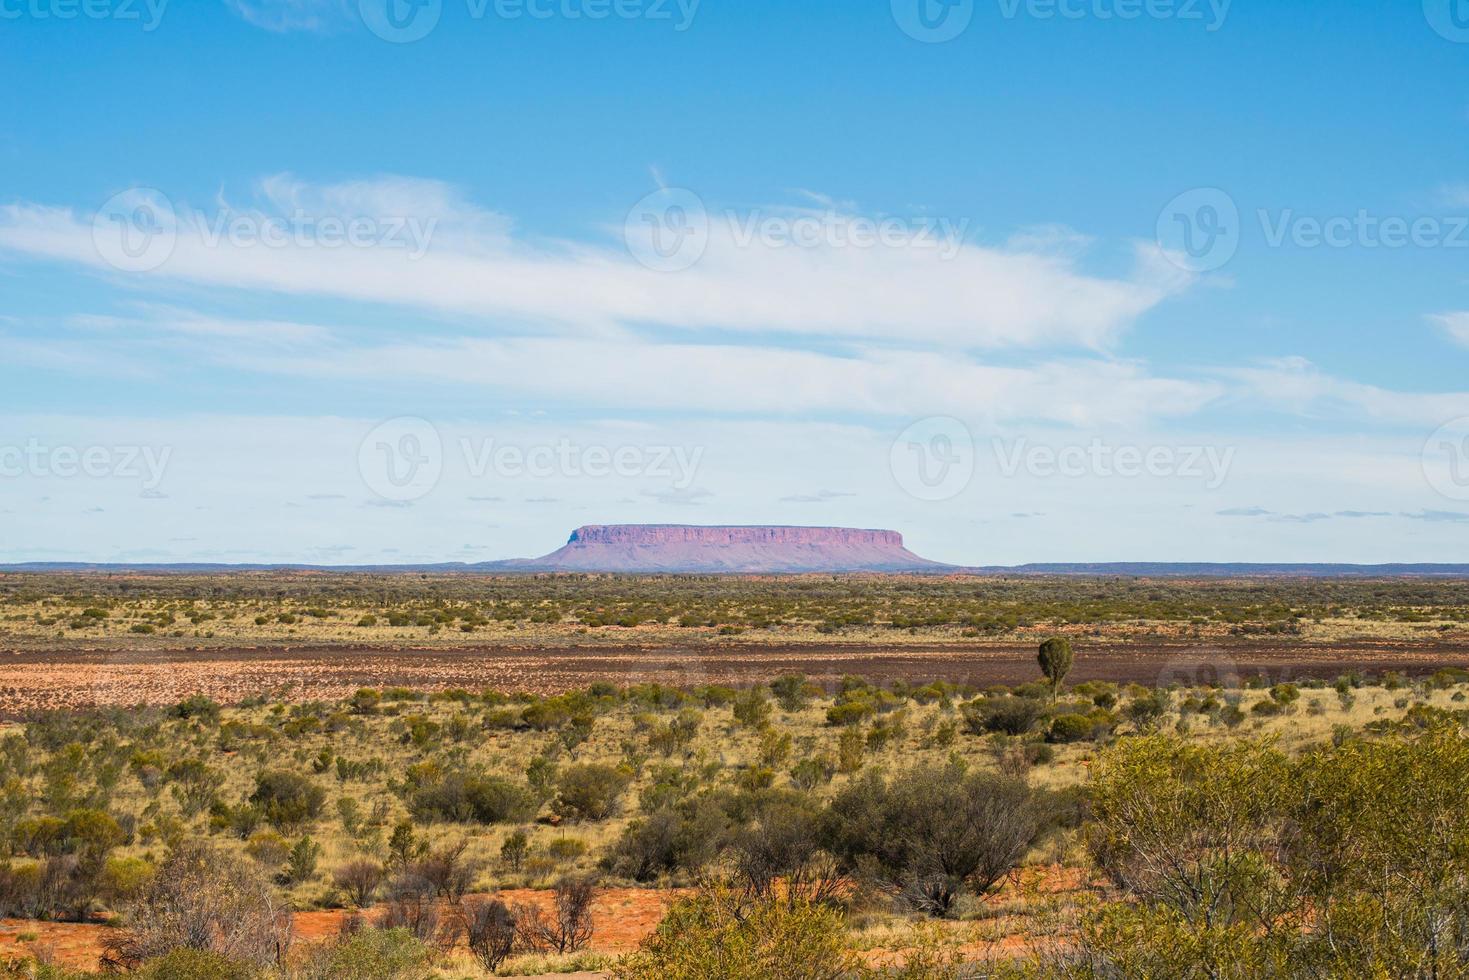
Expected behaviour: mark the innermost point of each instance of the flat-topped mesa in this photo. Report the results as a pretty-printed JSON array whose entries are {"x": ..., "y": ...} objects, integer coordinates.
[
  {"x": 718, "y": 537},
  {"x": 675, "y": 548}
]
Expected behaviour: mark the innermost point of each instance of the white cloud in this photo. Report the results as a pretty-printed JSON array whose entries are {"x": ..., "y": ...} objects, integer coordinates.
[
  {"x": 1455, "y": 325},
  {"x": 973, "y": 297},
  {"x": 1296, "y": 386},
  {"x": 1454, "y": 195},
  {"x": 744, "y": 380},
  {"x": 284, "y": 16}
]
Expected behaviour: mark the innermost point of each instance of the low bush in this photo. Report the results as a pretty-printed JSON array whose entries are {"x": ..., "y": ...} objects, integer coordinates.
[
  {"x": 288, "y": 799},
  {"x": 472, "y": 797},
  {"x": 1006, "y": 715},
  {"x": 590, "y": 791},
  {"x": 204, "y": 900},
  {"x": 716, "y": 934},
  {"x": 369, "y": 954},
  {"x": 928, "y": 834}
]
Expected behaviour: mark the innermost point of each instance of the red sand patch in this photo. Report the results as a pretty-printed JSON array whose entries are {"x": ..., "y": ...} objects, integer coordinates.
[{"x": 623, "y": 917}]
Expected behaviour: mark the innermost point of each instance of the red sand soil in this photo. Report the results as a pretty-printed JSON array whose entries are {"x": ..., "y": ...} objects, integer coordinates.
[
  {"x": 68, "y": 679},
  {"x": 623, "y": 917}
]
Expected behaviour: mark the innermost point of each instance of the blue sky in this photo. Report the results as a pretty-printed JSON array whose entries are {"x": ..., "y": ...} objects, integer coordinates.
[{"x": 938, "y": 286}]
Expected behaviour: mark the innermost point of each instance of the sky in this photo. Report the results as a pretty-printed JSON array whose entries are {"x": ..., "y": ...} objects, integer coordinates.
[{"x": 378, "y": 281}]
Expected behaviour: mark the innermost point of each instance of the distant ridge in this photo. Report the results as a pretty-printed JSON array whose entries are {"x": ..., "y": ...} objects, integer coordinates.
[
  {"x": 676, "y": 549},
  {"x": 687, "y": 549},
  {"x": 1230, "y": 569}
]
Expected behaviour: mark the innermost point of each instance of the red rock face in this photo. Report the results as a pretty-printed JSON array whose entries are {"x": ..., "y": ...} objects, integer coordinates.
[{"x": 681, "y": 548}]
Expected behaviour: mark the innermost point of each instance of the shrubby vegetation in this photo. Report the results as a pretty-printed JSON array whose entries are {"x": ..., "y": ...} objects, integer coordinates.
[
  {"x": 1301, "y": 829},
  {"x": 395, "y": 607}
]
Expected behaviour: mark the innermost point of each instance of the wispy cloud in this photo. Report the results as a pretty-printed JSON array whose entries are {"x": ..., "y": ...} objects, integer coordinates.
[
  {"x": 285, "y": 16},
  {"x": 977, "y": 297},
  {"x": 1296, "y": 386},
  {"x": 690, "y": 497},
  {"x": 1312, "y": 517},
  {"x": 819, "y": 497},
  {"x": 1439, "y": 516},
  {"x": 1454, "y": 325}
]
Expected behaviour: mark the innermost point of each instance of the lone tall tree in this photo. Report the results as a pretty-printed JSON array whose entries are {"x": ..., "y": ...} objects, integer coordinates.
[{"x": 1055, "y": 659}]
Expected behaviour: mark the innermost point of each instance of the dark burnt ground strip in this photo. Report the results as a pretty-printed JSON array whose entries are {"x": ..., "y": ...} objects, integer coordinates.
[{"x": 33, "y": 680}]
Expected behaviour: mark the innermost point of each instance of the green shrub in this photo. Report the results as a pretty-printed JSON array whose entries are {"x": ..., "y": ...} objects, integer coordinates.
[
  {"x": 466, "y": 797},
  {"x": 790, "y": 691},
  {"x": 752, "y": 709},
  {"x": 850, "y": 712},
  {"x": 929, "y": 833},
  {"x": 1007, "y": 715},
  {"x": 287, "y": 799},
  {"x": 1070, "y": 728},
  {"x": 590, "y": 791},
  {"x": 197, "y": 707},
  {"x": 717, "y": 935},
  {"x": 677, "y": 839},
  {"x": 371, "y": 954},
  {"x": 194, "y": 964}
]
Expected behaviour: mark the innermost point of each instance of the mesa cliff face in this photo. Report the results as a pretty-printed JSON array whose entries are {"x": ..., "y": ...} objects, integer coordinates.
[{"x": 752, "y": 550}]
